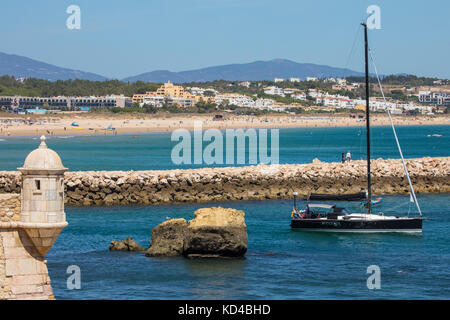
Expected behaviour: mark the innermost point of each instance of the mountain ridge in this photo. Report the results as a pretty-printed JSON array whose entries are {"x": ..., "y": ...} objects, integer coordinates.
[
  {"x": 252, "y": 71},
  {"x": 20, "y": 66}
]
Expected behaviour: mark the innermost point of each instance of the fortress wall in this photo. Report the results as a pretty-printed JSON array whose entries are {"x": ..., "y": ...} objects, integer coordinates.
[
  {"x": 429, "y": 175},
  {"x": 23, "y": 272}
]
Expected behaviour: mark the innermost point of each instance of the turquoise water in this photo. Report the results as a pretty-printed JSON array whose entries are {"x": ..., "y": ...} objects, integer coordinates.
[
  {"x": 299, "y": 145},
  {"x": 280, "y": 263}
]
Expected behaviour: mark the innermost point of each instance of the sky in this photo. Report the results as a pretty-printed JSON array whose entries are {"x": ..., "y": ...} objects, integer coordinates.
[{"x": 120, "y": 38}]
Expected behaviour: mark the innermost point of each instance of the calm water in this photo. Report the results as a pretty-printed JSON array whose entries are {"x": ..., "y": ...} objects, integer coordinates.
[
  {"x": 280, "y": 263},
  {"x": 152, "y": 151}
]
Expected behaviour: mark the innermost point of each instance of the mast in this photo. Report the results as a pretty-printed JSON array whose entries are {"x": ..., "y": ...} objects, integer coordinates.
[{"x": 369, "y": 182}]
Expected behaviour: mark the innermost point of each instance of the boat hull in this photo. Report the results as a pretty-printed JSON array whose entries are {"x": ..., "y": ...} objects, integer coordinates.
[{"x": 359, "y": 225}]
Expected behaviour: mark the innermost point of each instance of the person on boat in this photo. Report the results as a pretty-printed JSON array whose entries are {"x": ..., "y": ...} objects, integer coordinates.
[{"x": 349, "y": 156}]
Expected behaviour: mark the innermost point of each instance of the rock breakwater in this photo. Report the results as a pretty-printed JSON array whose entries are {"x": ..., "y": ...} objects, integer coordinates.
[{"x": 429, "y": 175}]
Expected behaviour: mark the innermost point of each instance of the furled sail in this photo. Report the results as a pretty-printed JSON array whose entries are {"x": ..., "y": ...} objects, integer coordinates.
[
  {"x": 338, "y": 197},
  {"x": 413, "y": 194}
]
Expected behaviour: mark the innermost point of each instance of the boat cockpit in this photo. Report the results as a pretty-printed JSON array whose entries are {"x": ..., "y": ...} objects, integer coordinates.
[{"x": 322, "y": 211}]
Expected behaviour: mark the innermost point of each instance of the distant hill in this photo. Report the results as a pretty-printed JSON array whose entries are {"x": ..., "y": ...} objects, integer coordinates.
[
  {"x": 18, "y": 66},
  {"x": 253, "y": 71}
]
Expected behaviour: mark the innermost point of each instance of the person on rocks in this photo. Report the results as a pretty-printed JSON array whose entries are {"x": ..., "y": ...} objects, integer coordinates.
[
  {"x": 349, "y": 156},
  {"x": 343, "y": 156}
]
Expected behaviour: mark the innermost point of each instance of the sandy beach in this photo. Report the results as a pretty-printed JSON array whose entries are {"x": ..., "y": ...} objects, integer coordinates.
[{"x": 95, "y": 124}]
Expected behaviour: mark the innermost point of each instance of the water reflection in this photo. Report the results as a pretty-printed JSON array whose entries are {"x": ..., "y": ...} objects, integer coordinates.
[{"x": 217, "y": 278}]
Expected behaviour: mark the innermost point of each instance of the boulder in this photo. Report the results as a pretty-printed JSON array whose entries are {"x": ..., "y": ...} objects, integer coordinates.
[
  {"x": 214, "y": 232},
  {"x": 125, "y": 245},
  {"x": 168, "y": 238}
]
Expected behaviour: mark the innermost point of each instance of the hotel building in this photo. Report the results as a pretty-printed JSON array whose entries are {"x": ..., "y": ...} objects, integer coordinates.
[
  {"x": 63, "y": 103},
  {"x": 435, "y": 98},
  {"x": 170, "y": 94}
]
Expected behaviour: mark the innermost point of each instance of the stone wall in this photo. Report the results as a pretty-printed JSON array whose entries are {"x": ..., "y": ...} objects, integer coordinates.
[
  {"x": 9, "y": 207},
  {"x": 246, "y": 183},
  {"x": 23, "y": 272},
  {"x": 10, "y": 182}
]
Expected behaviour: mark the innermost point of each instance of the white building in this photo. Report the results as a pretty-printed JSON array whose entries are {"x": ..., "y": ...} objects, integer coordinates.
[
  {"x": 299, "y": 96},
  {"x": 294, "y": 79},
  {"x": 314, "y": 93},
  {"x": 264, "y": 103},
  {"x": 274, "y": 91},
  {"x": 155, "y": 101},
  {"x": 336, "y": 101},
  {"x": 196, "y": 91},
  {"x": 269, "y": 104},
  {"x": 235, "y": 99},
  {"x": 289, "y": 90},
  {"x": 278, "y": 80},
  {"x": 276, "y": 107},
  {"x": 394, "y": 107},
  {"x": 436, "y": 98}
]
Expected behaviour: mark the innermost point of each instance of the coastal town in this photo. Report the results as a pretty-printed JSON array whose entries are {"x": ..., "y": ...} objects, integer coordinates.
[{"x": 280, "y": 95}]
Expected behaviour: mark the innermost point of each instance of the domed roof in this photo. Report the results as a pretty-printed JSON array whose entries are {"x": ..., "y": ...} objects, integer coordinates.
[{"x": 43, "y": 158}]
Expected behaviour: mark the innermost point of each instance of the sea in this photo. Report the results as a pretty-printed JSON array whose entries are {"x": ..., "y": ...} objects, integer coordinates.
[
  {"x": 280, "y": 263},
  {"x": 153, "y": 151}
]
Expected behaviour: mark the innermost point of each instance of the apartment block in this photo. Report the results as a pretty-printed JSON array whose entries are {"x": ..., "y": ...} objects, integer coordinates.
[
  {"x": 435, "y": 98},
  {"x": 63, "y": 103}
]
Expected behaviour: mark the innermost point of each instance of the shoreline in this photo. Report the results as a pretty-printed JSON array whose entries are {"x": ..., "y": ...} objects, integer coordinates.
[
  {"x": 96, "y": 125},
  {"x": 124, "y": 133}
]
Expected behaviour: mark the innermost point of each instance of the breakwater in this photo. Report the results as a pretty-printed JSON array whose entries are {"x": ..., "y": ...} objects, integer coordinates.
[{"x": 429, "y": 175}]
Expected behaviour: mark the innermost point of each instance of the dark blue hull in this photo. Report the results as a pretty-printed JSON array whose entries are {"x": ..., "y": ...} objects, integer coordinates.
[{"x": 359, "y": 225}]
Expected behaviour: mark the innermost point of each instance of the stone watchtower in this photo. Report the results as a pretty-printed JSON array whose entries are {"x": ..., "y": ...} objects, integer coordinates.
[
  {"x": 29, "y": 226},
  {"x": 42, "y": 199}
]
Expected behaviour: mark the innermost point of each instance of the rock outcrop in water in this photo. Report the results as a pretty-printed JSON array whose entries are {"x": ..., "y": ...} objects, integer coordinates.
[
  {"x": 214, "y": 232},
  {"x": 168, "y": 238},
  {"x": 245, "y": 183},
  {"x": 125, "y": 245}
]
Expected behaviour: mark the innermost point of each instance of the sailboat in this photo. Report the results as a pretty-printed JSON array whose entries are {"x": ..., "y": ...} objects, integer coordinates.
[{"x": 331, "y": 218}]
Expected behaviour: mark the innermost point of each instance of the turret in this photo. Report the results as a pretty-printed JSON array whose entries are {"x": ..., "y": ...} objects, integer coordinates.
[{"x": 42, "y": 197}]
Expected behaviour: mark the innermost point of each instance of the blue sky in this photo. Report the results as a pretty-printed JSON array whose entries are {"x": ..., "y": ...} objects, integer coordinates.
[{"x": 124, "y": 38}]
